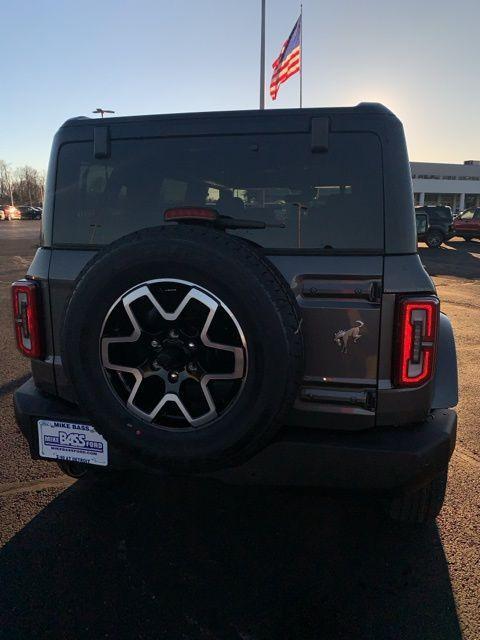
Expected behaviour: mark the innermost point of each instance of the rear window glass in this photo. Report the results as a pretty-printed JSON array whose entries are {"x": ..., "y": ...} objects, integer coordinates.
[
  {"x": 443, "y": 214},
  {"x": 316, "y": 200},
  {"x": 440, "y": 213}
]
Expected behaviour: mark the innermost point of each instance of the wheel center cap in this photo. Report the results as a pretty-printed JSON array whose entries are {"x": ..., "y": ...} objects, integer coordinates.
[{"x": 172, "y": 355}]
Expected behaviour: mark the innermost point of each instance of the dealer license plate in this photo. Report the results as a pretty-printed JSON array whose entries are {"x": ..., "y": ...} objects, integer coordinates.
[{"x": 71, "y": 441}]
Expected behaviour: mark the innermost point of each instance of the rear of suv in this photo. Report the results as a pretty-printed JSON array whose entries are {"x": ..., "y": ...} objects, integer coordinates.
[
  {"x": 434, "y": 225},
  {"x": 197, "y": 309}
]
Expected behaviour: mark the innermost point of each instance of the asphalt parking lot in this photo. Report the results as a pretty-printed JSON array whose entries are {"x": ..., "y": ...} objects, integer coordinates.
[{"x": 132, "y": 557}]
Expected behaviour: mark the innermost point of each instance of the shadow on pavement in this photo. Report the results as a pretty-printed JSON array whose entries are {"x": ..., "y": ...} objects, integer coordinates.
[
  {"x": 139, "y": 558},
  {"x": 11, "y": 385},
  {"x": 454, "y": 258}
]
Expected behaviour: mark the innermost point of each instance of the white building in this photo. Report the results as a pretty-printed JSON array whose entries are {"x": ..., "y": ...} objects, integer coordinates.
[{"x": 455, "y": 185}]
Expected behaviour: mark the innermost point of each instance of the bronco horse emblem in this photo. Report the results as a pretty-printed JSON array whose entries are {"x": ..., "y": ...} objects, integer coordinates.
[{"x": 343, "y": 337}]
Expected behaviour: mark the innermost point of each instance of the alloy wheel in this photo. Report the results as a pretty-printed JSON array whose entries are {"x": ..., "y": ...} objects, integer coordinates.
[{"x": 173, "y": 354}]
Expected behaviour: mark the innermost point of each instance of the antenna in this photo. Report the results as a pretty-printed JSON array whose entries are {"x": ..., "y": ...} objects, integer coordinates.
[{"x": 102, "y": 111}]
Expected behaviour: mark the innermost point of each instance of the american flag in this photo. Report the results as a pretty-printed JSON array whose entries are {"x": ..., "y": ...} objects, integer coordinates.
[{"x": 289, "y": 60}]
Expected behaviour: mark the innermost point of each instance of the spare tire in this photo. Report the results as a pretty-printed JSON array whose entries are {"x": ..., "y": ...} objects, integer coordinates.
[
  {"x": 434, "y": 238},
  {"x": 183, "y": 345}
]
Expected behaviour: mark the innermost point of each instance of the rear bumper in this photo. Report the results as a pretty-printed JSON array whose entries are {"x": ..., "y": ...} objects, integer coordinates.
[{"x": 382, "y": 458}]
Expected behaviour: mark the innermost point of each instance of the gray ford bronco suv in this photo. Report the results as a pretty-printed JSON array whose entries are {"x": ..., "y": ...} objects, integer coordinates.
[{"x": 239, "y": 296}]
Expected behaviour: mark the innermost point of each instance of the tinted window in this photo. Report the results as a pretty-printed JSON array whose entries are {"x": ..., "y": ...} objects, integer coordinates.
[
  {"x": 436, "y": 213},
  {"x": 443, "y": 214},
  {"x": 421, "y": 220},
  {"x": 316, "y": 200}
]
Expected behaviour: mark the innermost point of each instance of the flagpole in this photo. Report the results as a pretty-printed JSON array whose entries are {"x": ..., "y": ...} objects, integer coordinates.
[
  {"x": 301, "y": 53},
  {"x": 262, "y": 59}
]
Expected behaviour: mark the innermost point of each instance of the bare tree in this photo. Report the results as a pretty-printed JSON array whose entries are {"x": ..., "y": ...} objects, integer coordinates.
[
  {"x": 25, "y": 185},
  {"x": 42, "y": 178},
  {"x": 28, "y": 185},
  {"x": 6, "y": 182}
]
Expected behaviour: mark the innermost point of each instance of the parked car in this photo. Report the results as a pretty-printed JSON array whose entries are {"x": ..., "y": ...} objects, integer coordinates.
[
  {"x": 434, "y": 225},
  {"x": 11, "y": 213},
  {"x": 232, "y": 328},
  {"x": 30, "y": 213},
  {"x": 467, "y": 224}
]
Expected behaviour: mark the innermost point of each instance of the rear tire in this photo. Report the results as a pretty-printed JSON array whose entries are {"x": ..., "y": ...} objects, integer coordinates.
[
  {"x": 78, "y": 470},
  {"x": 75, "y": 470},
  {"x": 420, "y": 506},
  {"x": 434, "y": 239}
]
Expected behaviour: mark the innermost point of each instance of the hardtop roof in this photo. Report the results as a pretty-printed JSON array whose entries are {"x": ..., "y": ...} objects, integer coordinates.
[{"x": 362, "y": 109}]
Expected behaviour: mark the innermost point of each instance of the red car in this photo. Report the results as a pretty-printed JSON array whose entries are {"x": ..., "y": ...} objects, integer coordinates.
[{"x": 467, "y": 224}]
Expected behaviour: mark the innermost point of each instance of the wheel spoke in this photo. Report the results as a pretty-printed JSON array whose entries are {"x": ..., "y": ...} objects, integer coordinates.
[
  {"x": 172, "y": 394},
  {"x": 193, "y": 294},
  {"x": 194, "y": 422},
  {"x": 237, "y": 352},
  {"x": 133, "y": 337}
]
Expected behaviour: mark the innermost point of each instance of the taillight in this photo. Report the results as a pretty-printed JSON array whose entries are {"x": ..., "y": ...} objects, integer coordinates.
[
  {"x": 26, "y": 317},
  {"x": 416, "y": 338},
  {"x": 180, "y": 214}
]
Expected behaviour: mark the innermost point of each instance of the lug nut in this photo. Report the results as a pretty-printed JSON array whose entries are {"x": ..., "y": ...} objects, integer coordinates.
[
  {"x": 173, "y": 377},
  {"x": 192, "y": 367},
  {"x": 191, "y": 345},
  {"x": 155, "y": 365},
  {"x": 173, "y": 334},
  {"x": 155, "y": 343}
]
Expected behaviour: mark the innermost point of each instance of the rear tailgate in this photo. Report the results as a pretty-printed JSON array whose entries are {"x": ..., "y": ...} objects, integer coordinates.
[{"x": 340, "y": 299}]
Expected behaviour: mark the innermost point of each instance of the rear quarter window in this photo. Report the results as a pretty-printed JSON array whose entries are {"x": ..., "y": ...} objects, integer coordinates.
[
  {"x": 421, "y": 222},
  {"x": 330, "y": 200},
  {"x": 444, "y": 214}
]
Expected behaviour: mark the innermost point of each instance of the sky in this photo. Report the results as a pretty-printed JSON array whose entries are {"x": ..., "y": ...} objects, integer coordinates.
[{"x": 63, "y": 58}]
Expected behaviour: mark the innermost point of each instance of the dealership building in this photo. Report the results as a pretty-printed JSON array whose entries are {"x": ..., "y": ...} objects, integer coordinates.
[{"x": 455, "y": 185}]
